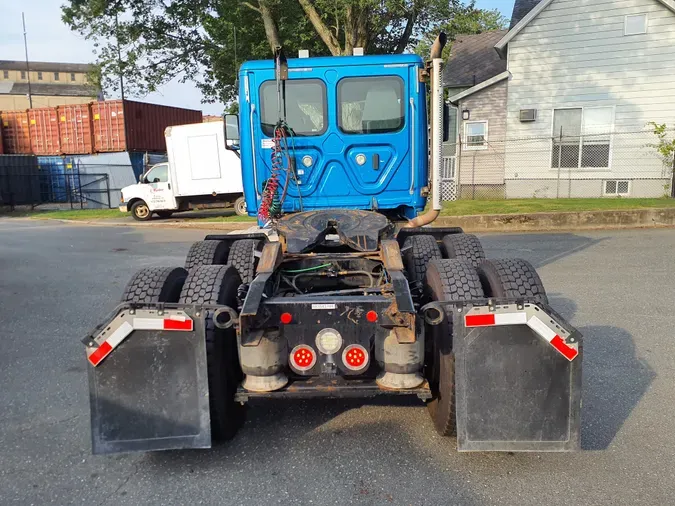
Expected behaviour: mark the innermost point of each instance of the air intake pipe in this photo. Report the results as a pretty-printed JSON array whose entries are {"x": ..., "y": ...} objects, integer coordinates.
[{"x": 436, "y": 133}]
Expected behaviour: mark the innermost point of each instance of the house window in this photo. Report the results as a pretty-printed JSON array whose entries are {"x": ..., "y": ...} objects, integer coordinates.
[
  {"x": 635, "y": 25},
  {"x": 39, "y": 76},
  {"x": 23, "y": 74},
  {"x": 582, "y": 137},
  {"x": 72, "y": 76},
  {"x": 56, "y": 76},
  {"x": 5, "y": 74},
  {"x": 476, "y": 134},
  {"x": 615, "y": 188}
]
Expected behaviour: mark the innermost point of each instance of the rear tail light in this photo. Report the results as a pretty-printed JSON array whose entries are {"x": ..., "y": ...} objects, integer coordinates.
[
  {"x": 355, "y": 357},
  {"x": 303, "y": 357},
  {"x": 286, "y": 318},
  {"x": 371, "y": 316}
]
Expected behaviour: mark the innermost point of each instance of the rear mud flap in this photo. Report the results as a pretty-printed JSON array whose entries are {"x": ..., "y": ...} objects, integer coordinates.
[
  {"x": 518, "y": 388},
  {"x": 151, "y": 391}
]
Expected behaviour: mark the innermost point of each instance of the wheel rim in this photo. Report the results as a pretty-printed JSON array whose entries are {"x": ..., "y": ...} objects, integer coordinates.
[
  {"x": 241, "y": 207},
  {"x": 142, "y": 211}
]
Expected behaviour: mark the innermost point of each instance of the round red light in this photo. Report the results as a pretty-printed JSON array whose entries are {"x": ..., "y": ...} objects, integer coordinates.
[
  {"x": 355, "y": 357},
  {"x": 371, "y": 316},
  {"x": 303, "y": 357},
  {"x": 286, "y": 318}
]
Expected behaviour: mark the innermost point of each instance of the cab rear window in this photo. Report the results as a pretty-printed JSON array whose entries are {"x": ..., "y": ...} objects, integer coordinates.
[
  {"x": 305, "y": 106},
  {"x": 370, "y": 105}
]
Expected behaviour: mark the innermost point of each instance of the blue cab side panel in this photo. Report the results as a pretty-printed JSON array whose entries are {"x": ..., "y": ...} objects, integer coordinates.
[{"x": 384, "y": 169}]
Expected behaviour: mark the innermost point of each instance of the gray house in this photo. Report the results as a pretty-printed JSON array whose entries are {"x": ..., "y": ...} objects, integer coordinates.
[{"x": 558, "y": 104}]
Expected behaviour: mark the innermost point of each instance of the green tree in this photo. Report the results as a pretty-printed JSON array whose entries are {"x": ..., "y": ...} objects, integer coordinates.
[
  {"x": 665, "y": 147},
  {"x": 151, "y": 42},
  {"x": 462, "y": 20}
]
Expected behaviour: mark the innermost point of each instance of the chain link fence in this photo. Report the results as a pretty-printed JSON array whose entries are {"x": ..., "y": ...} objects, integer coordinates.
[{"x": 568, "y": 165}]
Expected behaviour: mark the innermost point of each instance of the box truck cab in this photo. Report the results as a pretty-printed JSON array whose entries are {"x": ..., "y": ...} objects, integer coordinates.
[{"x": 200, "y": 173}]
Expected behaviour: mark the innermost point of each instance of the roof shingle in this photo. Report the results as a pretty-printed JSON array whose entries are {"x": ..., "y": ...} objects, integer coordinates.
[
  {"x": 520, "y": 9},
  {"x": 473, "y": 59},
  {"x": 44, "y": 66},
  {"x": 52, "y": 90}
]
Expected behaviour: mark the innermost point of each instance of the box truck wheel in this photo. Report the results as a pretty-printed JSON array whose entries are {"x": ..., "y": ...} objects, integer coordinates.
[
  {"x": 207, "y": 253},
  {"x": 465, "y": 247},
  {"x": 217, "y": 284},
  {"x": 242, "y": 256},
  {"x": 453, "y": 280},
  {"x": 240, "y": 206},
  {"x": 140, "y": 211},
  {"x": 512, "y": 277},
  {"x": 155, "y": 284},
  {"x": 418, "y": 251}
]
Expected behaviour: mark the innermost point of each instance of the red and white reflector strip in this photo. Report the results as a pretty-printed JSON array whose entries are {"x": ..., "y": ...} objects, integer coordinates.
[
  {"x": 482, "y": 319},
  {"x": 128, "y": 325}
]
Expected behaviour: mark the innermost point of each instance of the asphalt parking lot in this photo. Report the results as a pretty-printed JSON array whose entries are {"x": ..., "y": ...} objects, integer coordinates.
[{"x": 57, "y": 281}]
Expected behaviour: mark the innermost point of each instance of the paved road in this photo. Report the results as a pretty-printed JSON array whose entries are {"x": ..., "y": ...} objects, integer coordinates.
[{"x": 57, "y": 281}]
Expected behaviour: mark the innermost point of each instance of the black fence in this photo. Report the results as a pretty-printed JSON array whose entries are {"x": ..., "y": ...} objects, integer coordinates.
[{"x": 70, "y": 189}]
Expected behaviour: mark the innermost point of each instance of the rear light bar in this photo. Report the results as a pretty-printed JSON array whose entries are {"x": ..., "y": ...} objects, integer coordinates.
[
  {"x": 126, "y": 322},
  {"x": 532, "y": 316},
  {"x": 355, "y": 357},
  {"x": 302, "y": 357}
]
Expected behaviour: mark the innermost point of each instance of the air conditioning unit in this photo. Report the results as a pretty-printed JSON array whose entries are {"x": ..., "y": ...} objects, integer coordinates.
[{"x": 527, "y": 115}]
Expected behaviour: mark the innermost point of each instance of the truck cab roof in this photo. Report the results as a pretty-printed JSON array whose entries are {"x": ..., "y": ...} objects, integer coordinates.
[{"x": 335, "y": 61}]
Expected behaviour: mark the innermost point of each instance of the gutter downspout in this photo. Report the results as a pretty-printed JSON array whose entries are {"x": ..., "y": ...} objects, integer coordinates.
[{"x": 436, "y": 134}]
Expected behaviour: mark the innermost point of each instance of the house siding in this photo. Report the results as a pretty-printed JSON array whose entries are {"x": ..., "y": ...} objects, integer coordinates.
[
  {"x": 575, "y": 54},
  {"x": 485, "y": 166}
]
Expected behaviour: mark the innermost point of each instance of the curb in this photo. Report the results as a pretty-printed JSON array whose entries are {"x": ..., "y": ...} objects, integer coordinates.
[{"x": 532, "y": 222}]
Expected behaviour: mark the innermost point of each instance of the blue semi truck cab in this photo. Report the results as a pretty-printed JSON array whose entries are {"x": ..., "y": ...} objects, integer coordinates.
[
  {"x": 358, "y": 127},
  {"x": 345, "y": 291}
]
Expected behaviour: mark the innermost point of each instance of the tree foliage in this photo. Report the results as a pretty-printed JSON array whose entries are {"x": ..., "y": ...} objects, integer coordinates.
[{"x": 151, "y": 42}]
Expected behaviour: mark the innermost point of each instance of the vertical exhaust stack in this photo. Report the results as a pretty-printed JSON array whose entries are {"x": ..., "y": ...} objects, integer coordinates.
[{"x": 436, "y": 133}]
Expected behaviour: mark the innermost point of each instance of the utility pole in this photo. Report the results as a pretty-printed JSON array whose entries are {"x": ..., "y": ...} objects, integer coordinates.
[
  {"x": 119, "y": 54},
  {"x": 25, "y": 45}
]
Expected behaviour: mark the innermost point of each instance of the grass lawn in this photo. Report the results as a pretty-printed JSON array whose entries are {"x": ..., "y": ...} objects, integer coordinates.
[
  {"x": 520, "y": 206},
  {"x": 457, "y": 208}
]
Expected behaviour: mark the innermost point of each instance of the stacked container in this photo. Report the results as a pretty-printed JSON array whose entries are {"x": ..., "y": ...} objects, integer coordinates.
[
  {"x": 134, "y": 126},
  {"x": 44, "y": 131},
  {"x": 75, "y": 129},
  {"x": 15, "y": 132}
]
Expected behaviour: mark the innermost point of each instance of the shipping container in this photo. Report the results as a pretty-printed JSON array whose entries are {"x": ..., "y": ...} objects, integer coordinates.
[
  {"x": 15, "y": 132},
  {"x": 44, "y": 131},
  {"x": 19, "y": 180},
  {"x": 58, "y": 180},
  {"x": 135, "y": 126},
  {"x": 75, "y": 129},
  {"x": 2, "y": 150}
]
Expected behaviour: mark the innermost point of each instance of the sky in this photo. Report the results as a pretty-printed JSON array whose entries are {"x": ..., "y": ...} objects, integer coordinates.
[{"x": 50, "y": 40}]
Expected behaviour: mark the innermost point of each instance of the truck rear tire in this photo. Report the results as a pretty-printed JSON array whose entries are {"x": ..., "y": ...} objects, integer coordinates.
[
  {"x": 217, "y": 284},
  {"x": 164, "y": 214},
  {"x": 447, "y": 280},
  {"x": 421, "y": 249},
  {"x": 242, "y": 257},
  {"x": 155, "y": 284},
  {"x": 512, "y": 277},
  {"x": 207, "y": 253},
  {"x": 140, "y": 211},
  {"x": 240, "y": 207},
  {"x": 465, "y": 247}
]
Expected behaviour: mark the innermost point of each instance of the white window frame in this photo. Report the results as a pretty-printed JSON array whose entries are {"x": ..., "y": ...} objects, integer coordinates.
[
  {"x": 616, "y": 194},
  {"x": 581, "y": 137},
  {"x": 484, "y": 146},
  {"x": 625, "y": 24}
]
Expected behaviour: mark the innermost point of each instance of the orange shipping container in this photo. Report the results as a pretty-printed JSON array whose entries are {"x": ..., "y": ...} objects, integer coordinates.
[
  {"x": 75, "y": 129},
  {"x": 44, "y": 131},
  {"x": 135, "y": 126},
  {"x": 15, "y": 132}
]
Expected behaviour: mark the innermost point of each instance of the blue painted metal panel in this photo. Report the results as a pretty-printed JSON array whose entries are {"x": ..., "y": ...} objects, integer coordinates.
[
  {"x": 396, "y": 162},
  {"x": 58, "y": 179}
]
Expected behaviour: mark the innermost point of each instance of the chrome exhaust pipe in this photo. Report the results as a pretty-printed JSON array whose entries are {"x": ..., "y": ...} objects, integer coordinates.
[{"x": 436, "y": 133}]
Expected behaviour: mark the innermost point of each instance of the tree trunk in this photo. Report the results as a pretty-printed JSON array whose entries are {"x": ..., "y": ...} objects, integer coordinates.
[
  {"x": 324, "y": 32},
  {"x": 405, "y": 37},
  {"x": 271, "y": 30}
]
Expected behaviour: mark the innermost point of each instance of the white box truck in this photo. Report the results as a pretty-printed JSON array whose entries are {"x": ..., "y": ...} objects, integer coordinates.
[{"x": 200, "y": 173}]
